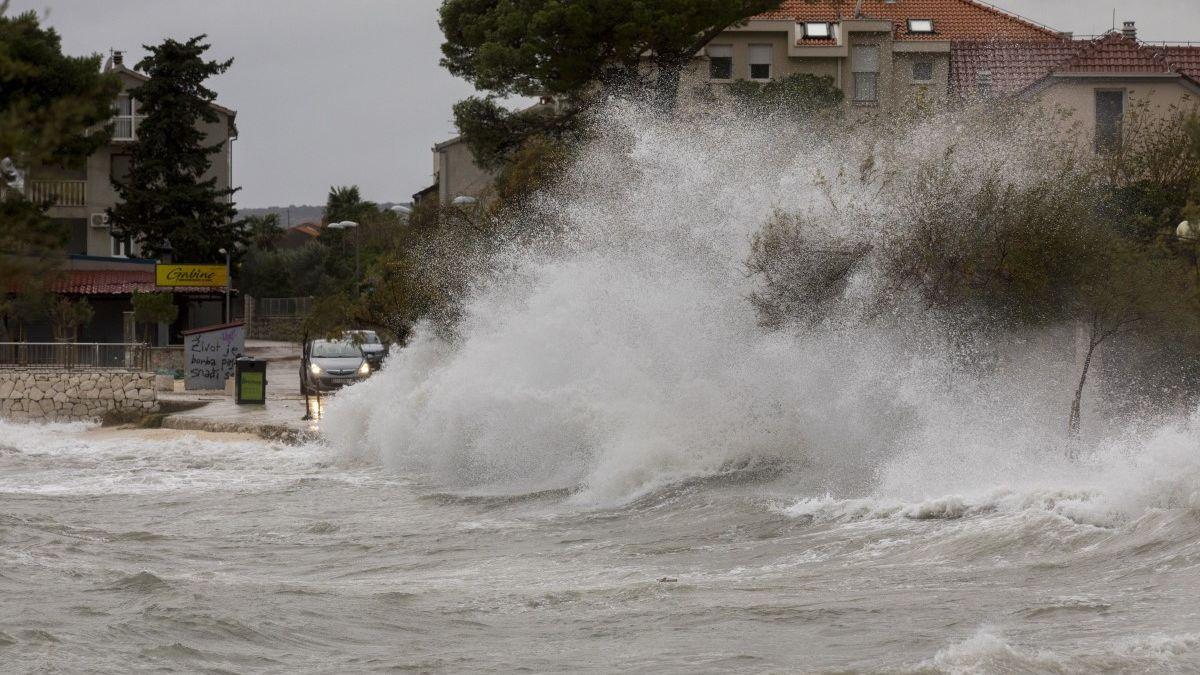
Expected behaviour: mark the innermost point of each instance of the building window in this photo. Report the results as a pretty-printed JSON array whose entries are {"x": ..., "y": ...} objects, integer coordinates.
[
  {"x": 760, "y": 62},
  {"x": 121, "y": 246},
  {"x": 983, "y": 83},
  {"x": 865, "y": 65},
  {"x": 1110, "y": 113},
  {"x": 123, "y": 119},
  {"x": 922, "y": 71},
  {"x": 817, "y": 30},
  {"x": 119, "y": 168},
  {"x": 920, "y": 26},
  {"x": 720, "y": 62}
]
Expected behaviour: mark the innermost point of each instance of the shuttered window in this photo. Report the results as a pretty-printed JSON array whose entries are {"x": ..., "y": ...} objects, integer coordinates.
[
  {"x": 865, "y": 65},
  {"x": 720, "y": 62},
  {"x": 760, "y": 62}
]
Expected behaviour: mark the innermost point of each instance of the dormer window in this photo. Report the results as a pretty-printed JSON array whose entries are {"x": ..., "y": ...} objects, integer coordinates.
[
  {"x": 920, "y": 26},
  {"x": 817, "y": 30}
]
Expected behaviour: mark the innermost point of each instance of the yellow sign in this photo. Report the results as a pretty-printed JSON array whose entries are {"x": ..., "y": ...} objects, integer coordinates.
[{"x": 211, "y": 276}]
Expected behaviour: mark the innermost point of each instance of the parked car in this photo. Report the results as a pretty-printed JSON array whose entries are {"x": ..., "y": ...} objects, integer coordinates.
[
  {"x": 332, "y": 364},
  {"x": 373, "y": 349}
]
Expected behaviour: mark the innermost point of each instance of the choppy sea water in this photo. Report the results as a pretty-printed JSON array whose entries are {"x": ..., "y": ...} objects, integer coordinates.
[{"x": 181, "y": 553}]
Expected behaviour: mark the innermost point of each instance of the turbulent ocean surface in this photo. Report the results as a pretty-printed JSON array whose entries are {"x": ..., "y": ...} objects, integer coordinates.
[
  {"x": 185, "y": 554},
  {"x": 609, "y": 464}
]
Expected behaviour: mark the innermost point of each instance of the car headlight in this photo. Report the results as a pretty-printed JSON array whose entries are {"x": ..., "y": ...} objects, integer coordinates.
[
  {"x": 314, "y": 369},
  {"x": 364, "y": 369}
]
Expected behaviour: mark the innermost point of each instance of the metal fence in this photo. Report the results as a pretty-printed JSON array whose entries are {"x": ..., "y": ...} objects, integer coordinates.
[
  {"x": 75, "y": 355},
  {"x": 273, "y": 308}
]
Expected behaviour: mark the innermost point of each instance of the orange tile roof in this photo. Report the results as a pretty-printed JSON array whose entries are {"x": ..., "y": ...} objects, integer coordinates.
[
  {"x": 113, "y": 282},
  {"x": 1115, "y": 53},
  {"x": 1016, "y": 65},
  {"x": 952, "y": 19},
  {"x": 1185, "y": 59}
]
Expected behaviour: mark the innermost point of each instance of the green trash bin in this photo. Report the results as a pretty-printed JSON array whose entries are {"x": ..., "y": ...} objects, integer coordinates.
[{"x": 250, "y": 378}]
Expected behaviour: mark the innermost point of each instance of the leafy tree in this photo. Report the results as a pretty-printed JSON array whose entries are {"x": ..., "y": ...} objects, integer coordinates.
[
  {"x": 345, "y": 203},
  {"x": 167, "y": 203},
  {"x": 48, "y": 103},
  {"x": 1154, "y": 173},
  {"x": 798, "y": 95},
  {"x": 263, "y": 232},
  {"x": 570, "y": 50},
  {"x": 67, "y": 315},
  {"x": 153, "y": 308}
]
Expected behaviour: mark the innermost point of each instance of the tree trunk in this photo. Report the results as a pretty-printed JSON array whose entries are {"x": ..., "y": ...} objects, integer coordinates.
[{"x": 1074, "y": 421}]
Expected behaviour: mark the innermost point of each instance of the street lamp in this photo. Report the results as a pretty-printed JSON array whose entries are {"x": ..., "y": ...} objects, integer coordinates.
[
  {"x": 228, "y": 282},
  {"x": 348, "y": 224}
]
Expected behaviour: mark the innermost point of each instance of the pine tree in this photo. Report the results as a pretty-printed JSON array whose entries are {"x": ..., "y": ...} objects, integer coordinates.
[
  {"x": 167, "y": 202},
  {"x": 48, "y": 102}
]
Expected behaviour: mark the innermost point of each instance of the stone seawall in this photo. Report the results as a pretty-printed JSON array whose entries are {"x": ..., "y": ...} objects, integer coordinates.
[{"x": 63, "y": 396}]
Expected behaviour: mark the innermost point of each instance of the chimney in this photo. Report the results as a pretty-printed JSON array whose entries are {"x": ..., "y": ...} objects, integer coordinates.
[
  {"x": 1130, "y": 30},
  {"x": 118, "y": 59}
]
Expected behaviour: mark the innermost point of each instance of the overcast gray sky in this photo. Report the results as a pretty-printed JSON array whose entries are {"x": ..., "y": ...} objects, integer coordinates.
[{"x": 350, "y": 91}]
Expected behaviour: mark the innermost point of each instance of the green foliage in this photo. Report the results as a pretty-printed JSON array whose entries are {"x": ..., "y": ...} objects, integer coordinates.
[
  {"x": 495, "y": 133},
  {"x": 796, "y": 95},
  {"x": 67, "y": 315},
  {"x": 289, "y": 273},
  {"x": 570, "y": 50},
  {"x": 154, "y": 308},
  {"x": 263, "y": 232},
  {"x": 1154, "y": 174},
  {"x": 48, "y": 102},
  {"x": 345, "y": 203},
  {"x": 167, "y": 199},
  {"x": 532, "y": 167},
  {"x": 564, "y": 47}
]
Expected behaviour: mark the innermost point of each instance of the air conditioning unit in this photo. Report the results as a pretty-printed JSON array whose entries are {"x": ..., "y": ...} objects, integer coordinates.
[{"x": 99, "y": 220}]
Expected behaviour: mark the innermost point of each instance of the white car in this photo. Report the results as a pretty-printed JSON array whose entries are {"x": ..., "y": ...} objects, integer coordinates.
[{"x": 373, "y": 349}]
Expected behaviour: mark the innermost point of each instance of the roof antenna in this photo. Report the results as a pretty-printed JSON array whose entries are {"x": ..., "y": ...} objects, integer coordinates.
[{"x": 1114, "y": 26}]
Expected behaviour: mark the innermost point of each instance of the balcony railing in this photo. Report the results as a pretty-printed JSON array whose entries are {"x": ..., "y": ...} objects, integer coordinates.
[
  {"x": 75, "y": 355},
  {"x": 57, "y": 192},
  {"x": 125, "y": 127}
]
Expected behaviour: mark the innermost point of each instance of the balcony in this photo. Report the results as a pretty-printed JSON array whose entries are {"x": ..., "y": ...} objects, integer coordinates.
[
  {"x": 124, "y": 127},
  {"x": 57, "y": 192}
]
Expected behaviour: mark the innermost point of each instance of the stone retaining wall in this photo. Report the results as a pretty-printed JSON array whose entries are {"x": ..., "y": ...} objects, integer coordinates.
[{"x": 61, "y": 396}]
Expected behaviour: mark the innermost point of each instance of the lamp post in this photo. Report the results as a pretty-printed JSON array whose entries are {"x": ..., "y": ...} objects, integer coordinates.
[
  {"x": 344, "y": 225},
  {"x": 228, "y": 282},
  {"x": 1190, "y": 234}
]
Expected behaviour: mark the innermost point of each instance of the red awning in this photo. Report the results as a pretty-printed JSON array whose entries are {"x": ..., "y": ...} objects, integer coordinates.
[{"x": 116, "y": 282}]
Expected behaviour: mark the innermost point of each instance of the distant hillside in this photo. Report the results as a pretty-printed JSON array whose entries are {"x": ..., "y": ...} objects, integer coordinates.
[{"x": 298, "y": 215}]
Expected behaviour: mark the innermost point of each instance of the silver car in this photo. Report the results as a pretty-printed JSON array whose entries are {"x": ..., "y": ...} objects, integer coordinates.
[
  {"x": 332, "y": 364},
  {"x": 374, "y": 350}
]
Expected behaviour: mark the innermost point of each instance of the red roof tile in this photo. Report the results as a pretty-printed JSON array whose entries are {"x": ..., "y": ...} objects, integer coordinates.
[
  {"x": 1186, "y": 59},
  {"x": 114, "y": 282},
  {"x": 1115, "y": 53},
  {"x": 1013, "y": 66},
  {"x": 952, "y": 19}
]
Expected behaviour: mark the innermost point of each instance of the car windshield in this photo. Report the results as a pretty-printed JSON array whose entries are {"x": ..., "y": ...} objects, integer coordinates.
[
  {"x": 366, "y": 337},
  {"x": 335, "y": 350}
]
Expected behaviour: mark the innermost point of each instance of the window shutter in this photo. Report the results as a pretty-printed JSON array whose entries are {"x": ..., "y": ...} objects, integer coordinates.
[
  {"x": 760, "y": 54},
  {"x": 866, "y": 59}
]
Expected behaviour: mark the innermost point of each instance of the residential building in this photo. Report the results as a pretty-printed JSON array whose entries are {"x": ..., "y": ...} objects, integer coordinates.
[
  {"x": 881, "y": 53},
  {"x": 456, "y": 174},
  {"x": 101, "y": 267},
  {"x": 1097, "y": 81}
]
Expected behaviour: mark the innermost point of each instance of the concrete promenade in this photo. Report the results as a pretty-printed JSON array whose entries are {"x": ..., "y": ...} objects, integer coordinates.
[{"x": 280, "y": 419}]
